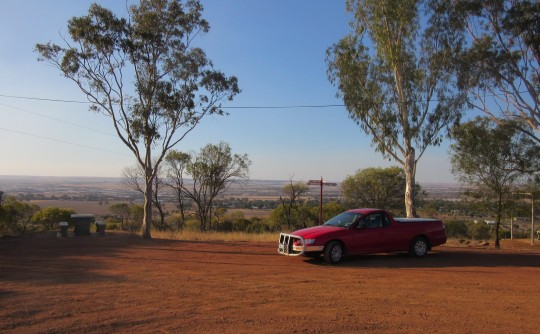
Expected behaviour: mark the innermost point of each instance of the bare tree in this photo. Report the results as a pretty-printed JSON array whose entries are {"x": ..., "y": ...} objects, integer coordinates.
[
  {"x": 292, "y": 192},
  {"x": 133, "y": 177}
]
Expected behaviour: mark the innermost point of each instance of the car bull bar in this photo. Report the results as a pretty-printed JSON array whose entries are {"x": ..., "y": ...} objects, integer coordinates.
[{"x": 286, "y": 245}]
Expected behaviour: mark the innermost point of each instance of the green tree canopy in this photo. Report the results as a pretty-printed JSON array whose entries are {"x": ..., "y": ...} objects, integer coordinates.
[
  {"x": 50, "y": 217},
  {"x": 15, "y": 215},
  {"x": 493, "y": 157},
  {"x": 121, "y": 211},
  {"x": 175, "y": 169},
  {"x": 143, "y": 72},
  {"x": 212, "y": 171},
  {"x": 381, "y": 188},
  {"x": 394, "y": 73}
]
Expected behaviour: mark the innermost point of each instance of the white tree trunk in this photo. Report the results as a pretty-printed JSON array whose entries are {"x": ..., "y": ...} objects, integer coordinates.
[
  {"x": 147, "y": 220},
  {"x": 410, "y": 176}
]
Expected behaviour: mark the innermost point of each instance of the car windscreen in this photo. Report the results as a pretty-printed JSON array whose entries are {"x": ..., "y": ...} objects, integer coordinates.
[{"x": 344, "y": 219}]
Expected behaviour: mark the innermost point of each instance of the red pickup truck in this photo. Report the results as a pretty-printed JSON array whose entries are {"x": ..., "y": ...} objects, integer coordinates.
[{"x": 363, "y": 231}]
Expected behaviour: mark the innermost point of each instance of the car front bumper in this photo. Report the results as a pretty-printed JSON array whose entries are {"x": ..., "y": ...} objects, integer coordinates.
[{"x": 287, "y": 247}]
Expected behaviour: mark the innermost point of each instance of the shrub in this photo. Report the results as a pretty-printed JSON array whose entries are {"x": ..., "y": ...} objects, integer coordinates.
[
  {"x": 480, "y": 231},
  {"x": 258, "y": 227},
  {"x": 225, "y": 226},
  {"x": 112, "y": 224},
  {"x": 50, "y": 217},
  {"x": 456, "y": 229},
  {"x": 192, "y": 225}
]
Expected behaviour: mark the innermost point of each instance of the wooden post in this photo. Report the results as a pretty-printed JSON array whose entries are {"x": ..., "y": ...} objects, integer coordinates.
[
  {"x": 532, "y": 219},
  {"x": 321, "y": 182}
]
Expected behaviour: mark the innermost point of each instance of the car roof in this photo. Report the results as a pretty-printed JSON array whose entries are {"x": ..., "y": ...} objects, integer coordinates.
[{"x": 365, "y": 211}]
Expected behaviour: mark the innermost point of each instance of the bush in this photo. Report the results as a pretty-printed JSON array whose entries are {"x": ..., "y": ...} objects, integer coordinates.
[
  {"x": 480, "y": 231},
  {"x": 50, "y": 217},
  {"x": 175, "y": 221},
  {"x": 258, "y": 227},
  {"x": 15, "y": 216},
  {"x": 225, "y": 226},
  {"x": 192, "y": 225},
  {"x": 456, "y": 229},
  {"x": 112, "y": 224}
]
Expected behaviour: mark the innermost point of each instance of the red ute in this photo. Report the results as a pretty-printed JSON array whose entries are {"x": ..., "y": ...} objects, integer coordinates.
[{"x": 363, "y": 231}]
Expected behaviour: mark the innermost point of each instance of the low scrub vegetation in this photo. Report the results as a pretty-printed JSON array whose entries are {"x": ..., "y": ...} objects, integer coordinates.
[
  {"x": 195, "y": 235},
  {"x": 19, "y": 216},
  {"x": 470, "y": 230}
]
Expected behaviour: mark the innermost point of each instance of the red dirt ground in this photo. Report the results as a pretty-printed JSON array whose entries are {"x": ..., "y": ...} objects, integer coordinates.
[{"x": 120, "y": 283}]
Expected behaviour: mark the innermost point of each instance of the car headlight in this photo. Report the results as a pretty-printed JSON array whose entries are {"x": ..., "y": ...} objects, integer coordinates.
[{"x": 309, "y": 241}]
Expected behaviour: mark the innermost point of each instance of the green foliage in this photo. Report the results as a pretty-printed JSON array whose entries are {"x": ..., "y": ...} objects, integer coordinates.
[
  {"x": 122, "y": 212},
  {"x": 456, "y": 229},
  {"x": 258, "y": 227},
  {"x": 331, "y": 209},
  {"x": 382, "y": 188},
  {"x": 492, "y": 155},
  {"x": 480, "y": 231},
  {"x": 302, "y": 216},
  {"x": 112, "y": 224},
  {"x": 236, "y": 222},
  {"x": 136, "y": 217},
  {"x": 212, "y": 170},
  {"x": 192, "y": 225},
  {"x": 291, "y": 201},
  {"x": 175, "y": 221},
  {"x": 50, "y": 217},
  {"x": 279, "y": 217},
  {"x": 493, "y": 158},
  {"x": 15, "y": 216}
]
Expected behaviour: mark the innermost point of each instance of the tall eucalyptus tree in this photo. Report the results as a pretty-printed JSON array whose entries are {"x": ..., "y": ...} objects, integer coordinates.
[
  {"x": 144, "y": 73},
  {"x": 394, "y": 72}
]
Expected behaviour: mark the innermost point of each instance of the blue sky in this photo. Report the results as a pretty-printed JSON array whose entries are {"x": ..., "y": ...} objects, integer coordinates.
[{"x": 276, "y": 48}]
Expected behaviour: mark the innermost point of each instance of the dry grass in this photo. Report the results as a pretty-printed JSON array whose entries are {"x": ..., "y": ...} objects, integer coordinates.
[
  {"x": 216, "y": 236},
  {"x": 515, "y": 244}
]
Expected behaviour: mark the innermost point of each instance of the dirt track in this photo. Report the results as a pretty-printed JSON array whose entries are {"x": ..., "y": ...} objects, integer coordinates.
[{"x": 121, "y": 283}]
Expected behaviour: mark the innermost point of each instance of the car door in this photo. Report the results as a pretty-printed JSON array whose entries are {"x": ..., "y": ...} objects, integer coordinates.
[{"x": 370, "y": 234}]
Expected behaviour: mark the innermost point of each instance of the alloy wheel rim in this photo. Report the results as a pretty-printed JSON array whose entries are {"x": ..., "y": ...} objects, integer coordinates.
[
  {"x": 336, "y": 253},
  {"x": 420, "y": 248}
]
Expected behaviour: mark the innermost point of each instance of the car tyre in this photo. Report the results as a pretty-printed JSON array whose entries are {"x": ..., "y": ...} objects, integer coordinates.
[
  {"x": 334, "y": 252},
  {"x": 419, "y": 247}
]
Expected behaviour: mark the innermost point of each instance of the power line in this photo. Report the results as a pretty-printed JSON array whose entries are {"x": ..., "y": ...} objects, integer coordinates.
[
  {"x": 56, "y": 119},
  {"x": 225, "y": 107},
  {"x": 229, "y": 107},
  {"x": 288, "y": 107},
  {"x": 61, "y": 141},
  {"x": 44, "y": 99}
]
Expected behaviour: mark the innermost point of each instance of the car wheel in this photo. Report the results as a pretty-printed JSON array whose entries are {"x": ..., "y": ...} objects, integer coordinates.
[
  {"x": 419, "y": 247},
  {"x": 334, "y": 252}
]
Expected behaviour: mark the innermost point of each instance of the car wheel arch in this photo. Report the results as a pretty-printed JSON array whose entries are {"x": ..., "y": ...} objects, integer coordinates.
[{"x": 345, "y": 250}]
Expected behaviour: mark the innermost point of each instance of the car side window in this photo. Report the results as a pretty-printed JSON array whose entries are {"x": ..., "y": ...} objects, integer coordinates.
[
  {"x": 385, "y": 220},
  {"x": 372, "y": 221}
]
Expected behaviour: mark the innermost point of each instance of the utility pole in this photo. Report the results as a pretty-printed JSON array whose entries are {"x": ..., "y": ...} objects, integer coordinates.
[{"x": 322, "y": 183}]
